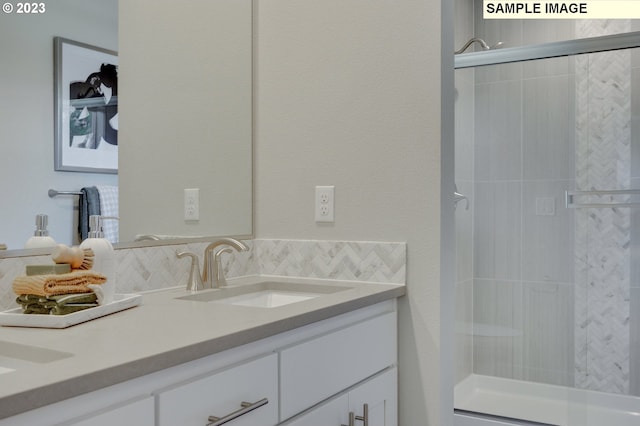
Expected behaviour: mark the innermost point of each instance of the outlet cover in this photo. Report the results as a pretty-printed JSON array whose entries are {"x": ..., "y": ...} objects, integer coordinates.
[{"x": 324, "y": 204}]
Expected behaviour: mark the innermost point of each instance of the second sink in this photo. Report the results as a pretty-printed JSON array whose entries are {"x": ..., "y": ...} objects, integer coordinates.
[{"x": 15, "y": 356}]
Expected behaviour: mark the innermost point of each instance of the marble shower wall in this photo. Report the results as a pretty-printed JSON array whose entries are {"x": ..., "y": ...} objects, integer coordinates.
[
  {"x": 603, "y": 235},
  {"x": 153, "y": 268}
]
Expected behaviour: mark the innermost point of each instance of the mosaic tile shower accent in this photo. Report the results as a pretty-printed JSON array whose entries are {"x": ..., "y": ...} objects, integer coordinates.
[
  {"x": 153, "y": 268},
  {"x": 602, "y": 246}
]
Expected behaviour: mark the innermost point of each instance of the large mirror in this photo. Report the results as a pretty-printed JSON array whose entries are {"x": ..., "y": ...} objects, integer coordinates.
[{"x": 185, "y": 118}]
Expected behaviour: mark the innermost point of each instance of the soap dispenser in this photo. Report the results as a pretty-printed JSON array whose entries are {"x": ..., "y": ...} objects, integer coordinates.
[
  {"x": 104, "y": 261},
  {"x": 41, "y": 238}
]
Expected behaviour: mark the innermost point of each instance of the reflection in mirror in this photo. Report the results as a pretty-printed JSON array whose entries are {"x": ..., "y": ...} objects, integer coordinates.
[
  {"x": 184, "y": 117},
  {"x": 26, "y": 114}
]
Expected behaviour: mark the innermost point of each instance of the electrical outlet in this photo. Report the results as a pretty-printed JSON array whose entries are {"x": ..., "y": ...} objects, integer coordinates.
[
  {"x": 324, "y": 204},
  {"x": 192, "y": 204}
]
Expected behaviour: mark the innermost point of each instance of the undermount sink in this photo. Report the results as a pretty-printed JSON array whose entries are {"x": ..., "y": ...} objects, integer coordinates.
[
  {"x": 268, "y": 298},
  {"x": 269, "y": 294},
  {"x": 14, "y": 356}
]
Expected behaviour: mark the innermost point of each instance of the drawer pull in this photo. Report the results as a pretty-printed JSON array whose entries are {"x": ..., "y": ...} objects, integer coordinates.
[
  {"x": 352, "y": 419},
  {"x": 246, "y": 408},
  {"x": 365, "y": 415}
]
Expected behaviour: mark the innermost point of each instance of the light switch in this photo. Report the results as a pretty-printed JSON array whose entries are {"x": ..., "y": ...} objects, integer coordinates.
[{"x": 192, "y": 204}]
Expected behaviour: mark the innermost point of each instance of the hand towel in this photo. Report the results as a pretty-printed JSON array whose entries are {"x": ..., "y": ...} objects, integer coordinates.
[
  {"x": 88, "y": 205},
  {"x": 51, "y": 285},
  {"x": 109, "y": 208}
]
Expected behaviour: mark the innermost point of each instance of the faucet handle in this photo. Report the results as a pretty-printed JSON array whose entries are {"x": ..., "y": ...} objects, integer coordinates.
[
  {"x": 194, "y": 282},
  {"x": 222, "y": 281}
]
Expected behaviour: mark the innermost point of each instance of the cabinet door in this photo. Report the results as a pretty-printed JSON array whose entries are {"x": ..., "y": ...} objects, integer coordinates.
[
  {"x": 221, "y": 394},
  {"x": 139, "y": 413},
  {"x": 380, "y": 396},
  {"x": 332, "y": 413},
  {"x": 315, "y": 370}
]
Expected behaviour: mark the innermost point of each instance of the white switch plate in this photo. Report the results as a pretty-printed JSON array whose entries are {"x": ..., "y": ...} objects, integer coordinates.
[
  {"x": 192, "y": 204},
  {"x": 324, "y": 207}
]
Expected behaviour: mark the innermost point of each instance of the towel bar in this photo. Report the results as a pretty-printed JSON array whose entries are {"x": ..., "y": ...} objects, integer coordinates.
[
  {"x": 571, "y": 204},
  {"x": 53, "y": 193}
]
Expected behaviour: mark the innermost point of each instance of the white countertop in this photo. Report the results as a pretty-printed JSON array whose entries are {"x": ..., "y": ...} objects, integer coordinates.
[{"x": 160, "y": 333}]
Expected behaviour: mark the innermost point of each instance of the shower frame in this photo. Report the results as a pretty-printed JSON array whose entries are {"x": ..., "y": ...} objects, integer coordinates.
[{"x": 548, "y": 50}]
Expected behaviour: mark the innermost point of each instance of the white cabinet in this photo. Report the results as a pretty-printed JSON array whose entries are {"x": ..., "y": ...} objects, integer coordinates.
[
  {"x": 314, "y": 375},
  {"x": 139, "y": 413},
  {"x": 335, "y": 412},
  {"x": 313, "y": 371},
  {"x": 375, "y": 400},
  {"x": 221, "y": 394},
  {"x": 96, "y": 409}
]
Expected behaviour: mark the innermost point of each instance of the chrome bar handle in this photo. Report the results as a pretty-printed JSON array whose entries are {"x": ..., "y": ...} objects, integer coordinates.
[
  {"x": 570, "y": 203},
  {"x": 365, "y": 415},
  {"x": 352, "y": 419},
  {"x": 247, "y": 407}
]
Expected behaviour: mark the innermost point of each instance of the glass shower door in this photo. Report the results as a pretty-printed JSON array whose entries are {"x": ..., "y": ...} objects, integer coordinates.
[{"x": 548, "y": 248}]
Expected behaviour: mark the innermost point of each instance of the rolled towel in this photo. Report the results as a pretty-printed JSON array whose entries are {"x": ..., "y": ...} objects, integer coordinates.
[
  {"x": 56, "y": 305},
  {"x": 51, "y": 285},
  {"x": 71, "y": 308}
]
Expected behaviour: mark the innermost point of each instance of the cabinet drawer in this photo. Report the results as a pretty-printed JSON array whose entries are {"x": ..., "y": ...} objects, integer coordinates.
[
  {"x": 221, "y": 394},
  {"x": 317, "y": 369},
  {"x": 332, "y": 413},
  {"x": 139, "y": 413}
]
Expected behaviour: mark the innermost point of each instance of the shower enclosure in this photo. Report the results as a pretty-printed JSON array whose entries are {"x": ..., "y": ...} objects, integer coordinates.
[{"x": 548, "y": 226}]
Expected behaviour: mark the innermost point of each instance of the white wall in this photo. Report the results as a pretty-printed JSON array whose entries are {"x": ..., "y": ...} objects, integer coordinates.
[
  {"x": 348, "y": 94},
  {"x": 26, "y": 108}
]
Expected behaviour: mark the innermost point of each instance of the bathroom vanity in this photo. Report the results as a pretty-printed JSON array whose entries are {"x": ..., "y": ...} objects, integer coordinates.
[{"x": 179, "y": 361}]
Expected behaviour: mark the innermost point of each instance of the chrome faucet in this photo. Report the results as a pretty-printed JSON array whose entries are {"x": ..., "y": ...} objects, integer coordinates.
[{"x": 213, "y": 274}]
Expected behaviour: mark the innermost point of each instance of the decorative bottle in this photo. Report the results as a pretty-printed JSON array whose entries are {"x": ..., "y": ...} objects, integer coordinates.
[
  {"x": 104, "y": 261},
  {"x": 41, "y": 238}
]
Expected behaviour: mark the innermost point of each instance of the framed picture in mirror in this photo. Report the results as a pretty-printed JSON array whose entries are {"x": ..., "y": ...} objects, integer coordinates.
[{"x": 86, "y": 107}]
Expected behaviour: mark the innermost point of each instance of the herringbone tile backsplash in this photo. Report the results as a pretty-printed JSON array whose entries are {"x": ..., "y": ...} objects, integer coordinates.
[{"x": 152, "y": 268}]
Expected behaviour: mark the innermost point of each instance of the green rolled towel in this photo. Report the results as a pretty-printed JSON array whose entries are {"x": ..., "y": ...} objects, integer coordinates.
[
  {"x": 65, "y": 299},
  {"x": 71, "y": 308},
  {"x": 35, "y": 309},
  {"x": 62, "y": 304}
]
